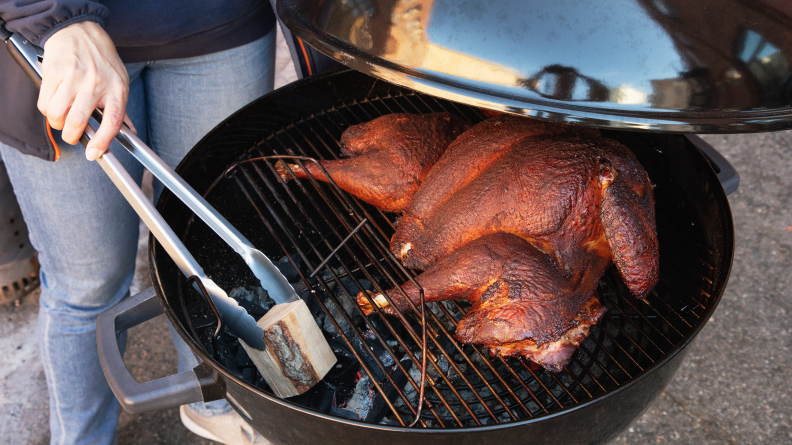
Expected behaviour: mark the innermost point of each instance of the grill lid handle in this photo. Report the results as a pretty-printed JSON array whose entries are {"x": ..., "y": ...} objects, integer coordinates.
[
  {"x": 727, "y": 174},
  {"x": 196, "y": 385}
]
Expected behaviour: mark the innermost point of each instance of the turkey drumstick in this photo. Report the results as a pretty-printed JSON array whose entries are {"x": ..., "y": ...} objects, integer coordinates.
[{"x": 522, "y": 302}]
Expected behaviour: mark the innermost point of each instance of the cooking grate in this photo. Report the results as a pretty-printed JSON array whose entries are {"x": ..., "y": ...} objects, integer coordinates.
[{"x": 305, "y": 220}]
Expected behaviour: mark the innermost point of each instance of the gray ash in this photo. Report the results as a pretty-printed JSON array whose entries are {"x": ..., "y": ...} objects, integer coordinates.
[
  {"x": 361, "y": 403},
  {"x": 255, "y": 300}
]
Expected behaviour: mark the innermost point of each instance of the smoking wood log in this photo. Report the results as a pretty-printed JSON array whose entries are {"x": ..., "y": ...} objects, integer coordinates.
[{"x": 297, "y": 355}]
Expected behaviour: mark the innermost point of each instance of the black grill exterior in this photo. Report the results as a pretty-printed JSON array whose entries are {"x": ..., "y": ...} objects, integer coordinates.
[{"x": 628, "y": 358}]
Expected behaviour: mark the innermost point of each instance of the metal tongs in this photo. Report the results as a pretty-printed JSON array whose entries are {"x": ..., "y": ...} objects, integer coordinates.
[{"x": 29, "y": 57}]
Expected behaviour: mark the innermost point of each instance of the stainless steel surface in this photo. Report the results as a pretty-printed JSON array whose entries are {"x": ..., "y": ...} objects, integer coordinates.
[
  {"x": 270, "y": 277},
  {"x": 27, "y": 55},
  {"x": 233, "y": 315},
  {"x": 654, "y": 65}
]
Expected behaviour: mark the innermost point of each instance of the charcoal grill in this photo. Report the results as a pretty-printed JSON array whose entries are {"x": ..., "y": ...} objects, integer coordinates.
[
  {"x": 642, "y": 71},
  {"x": 470, "y": 397}
]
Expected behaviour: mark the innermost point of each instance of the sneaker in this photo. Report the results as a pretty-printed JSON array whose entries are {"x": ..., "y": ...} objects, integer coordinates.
[{"x": 229, "y": 429}]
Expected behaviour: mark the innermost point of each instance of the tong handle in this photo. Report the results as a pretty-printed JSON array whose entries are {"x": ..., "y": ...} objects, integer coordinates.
[
  {"x": 28, "y": 56},
  {"x": 180, "y": 188},
  {"x": 270, "y": 277}
]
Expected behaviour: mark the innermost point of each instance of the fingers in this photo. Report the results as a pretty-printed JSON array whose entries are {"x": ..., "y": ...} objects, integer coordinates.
[
  {"x": 49, "y": 86},
  {"x": 82, "y": 71},
  {"x": 59, "y": 104},
  {"x": 77, "y": 118},
  {"x": 62, "y": 78},
  {"x": 129, "y": 123},
  {"x": 113, "y": 117}
]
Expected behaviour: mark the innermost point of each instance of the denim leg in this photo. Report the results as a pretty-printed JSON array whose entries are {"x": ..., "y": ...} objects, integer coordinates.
[
  {"x": 86, "y": 240},
  {"x": 186, "y": 98},
  {"x": 86, "y": 235}
]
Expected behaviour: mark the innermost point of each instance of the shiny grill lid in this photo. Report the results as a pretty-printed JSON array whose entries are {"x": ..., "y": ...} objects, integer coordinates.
[{"x": 706, "y": 66}]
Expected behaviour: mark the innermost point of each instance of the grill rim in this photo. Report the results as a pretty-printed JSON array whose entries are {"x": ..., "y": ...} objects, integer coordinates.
[{"x": 727, "y": 255}]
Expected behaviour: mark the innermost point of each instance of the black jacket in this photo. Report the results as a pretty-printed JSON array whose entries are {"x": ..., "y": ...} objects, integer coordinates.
[{"x": 143, "y": 30}]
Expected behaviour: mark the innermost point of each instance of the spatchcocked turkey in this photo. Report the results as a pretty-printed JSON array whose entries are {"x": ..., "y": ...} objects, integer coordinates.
[{"x": 517, "y": 216}]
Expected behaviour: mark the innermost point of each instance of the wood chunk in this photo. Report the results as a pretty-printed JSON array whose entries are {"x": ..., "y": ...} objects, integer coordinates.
[{"x": 297, "y": 355}]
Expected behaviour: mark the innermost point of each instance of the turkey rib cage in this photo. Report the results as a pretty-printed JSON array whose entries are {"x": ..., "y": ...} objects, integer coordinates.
[{"x": 571, "y": 197}]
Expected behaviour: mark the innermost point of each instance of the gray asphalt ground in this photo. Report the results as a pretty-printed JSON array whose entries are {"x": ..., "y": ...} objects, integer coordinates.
[{"x": 733, "y": 387}]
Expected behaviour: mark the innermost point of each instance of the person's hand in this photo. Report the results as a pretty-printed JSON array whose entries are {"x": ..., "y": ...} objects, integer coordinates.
[{"x": 82, "y": 71}]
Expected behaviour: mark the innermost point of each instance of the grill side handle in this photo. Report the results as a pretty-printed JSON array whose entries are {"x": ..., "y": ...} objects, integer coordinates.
[
  {"x": 727, "y": 174},
  {"x": 196, "y": 385}
]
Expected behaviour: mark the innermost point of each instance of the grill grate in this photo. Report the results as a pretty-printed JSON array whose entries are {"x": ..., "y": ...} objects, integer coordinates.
[{"x": 306, "y": 220}]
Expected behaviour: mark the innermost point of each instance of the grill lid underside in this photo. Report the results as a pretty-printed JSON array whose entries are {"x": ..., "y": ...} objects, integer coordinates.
[{"x": 716, "y": 66}]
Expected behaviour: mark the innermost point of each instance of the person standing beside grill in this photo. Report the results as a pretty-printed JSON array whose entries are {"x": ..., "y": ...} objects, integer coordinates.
[{"x": 174, "y": 69}]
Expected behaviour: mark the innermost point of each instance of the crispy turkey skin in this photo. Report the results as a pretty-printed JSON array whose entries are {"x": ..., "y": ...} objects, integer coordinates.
[
  {"x": 517, "y": 216},
  {"x": 522, "y": 301},
  {"x": 386, "y": 158},
  {"x": 571, "y": 197}
]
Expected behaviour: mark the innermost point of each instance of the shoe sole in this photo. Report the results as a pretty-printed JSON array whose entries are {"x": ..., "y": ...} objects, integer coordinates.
[{"x": 194, "y": 427}]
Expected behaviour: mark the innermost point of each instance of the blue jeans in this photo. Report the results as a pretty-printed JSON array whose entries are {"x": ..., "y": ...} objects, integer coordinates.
[{"x": 86, "y": 233}]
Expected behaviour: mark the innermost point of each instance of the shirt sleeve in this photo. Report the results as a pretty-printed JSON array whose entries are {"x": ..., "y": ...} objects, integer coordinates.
[{"x": 38, "y": 20}]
